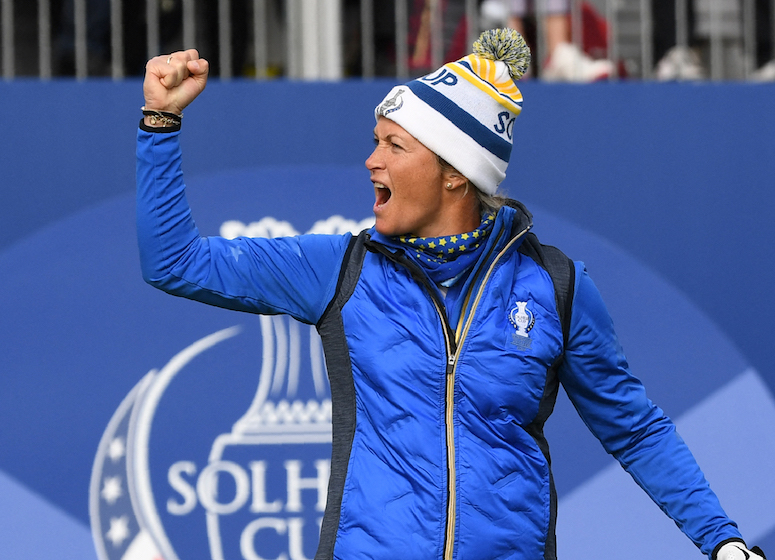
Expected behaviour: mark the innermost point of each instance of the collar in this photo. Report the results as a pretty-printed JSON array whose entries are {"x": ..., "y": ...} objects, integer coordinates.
[{"x": 513, "y": 218}]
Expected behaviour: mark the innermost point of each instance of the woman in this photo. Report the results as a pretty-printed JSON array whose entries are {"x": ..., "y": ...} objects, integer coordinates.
[{"x": 447, "y": 327}]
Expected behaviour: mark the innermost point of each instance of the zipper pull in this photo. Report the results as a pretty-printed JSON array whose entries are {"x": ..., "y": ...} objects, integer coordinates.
[{"x": 450, "y": 364}]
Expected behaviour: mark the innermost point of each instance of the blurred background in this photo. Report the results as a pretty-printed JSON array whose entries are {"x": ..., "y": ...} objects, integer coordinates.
[{"x": 335, "y": 39}]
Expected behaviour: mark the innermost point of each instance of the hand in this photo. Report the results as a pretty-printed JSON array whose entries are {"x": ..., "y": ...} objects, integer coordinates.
[
  {"x": 173, "y": 81},
  {"x": 738, "y": 551}
]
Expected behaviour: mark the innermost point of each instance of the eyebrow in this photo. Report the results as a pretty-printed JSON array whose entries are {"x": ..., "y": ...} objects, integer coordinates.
[{"x": 389, "y": 136}]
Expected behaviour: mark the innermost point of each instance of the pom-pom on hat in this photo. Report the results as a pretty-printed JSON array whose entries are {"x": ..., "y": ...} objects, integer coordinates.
[{"x": 465, "y": 111}]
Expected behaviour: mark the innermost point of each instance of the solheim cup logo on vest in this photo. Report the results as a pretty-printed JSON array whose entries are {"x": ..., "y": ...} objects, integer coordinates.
[
  {"x": 523, "y": 320},
  {"x": 224, "y": 452}
]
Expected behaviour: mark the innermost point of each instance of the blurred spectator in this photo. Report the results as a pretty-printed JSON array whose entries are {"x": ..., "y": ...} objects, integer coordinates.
[
  {"x": 765, "y": 47},
  {"x": 453, "y": 31},
  {"x": 565, "y": 62},
  {"x": 562, "y": 60},
  {"x": 675, "y": 62},
  {"x": 689, "y": 61}
]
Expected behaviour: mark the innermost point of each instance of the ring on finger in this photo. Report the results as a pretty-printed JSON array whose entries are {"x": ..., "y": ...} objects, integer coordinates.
[{"x": 169, "y": 58}]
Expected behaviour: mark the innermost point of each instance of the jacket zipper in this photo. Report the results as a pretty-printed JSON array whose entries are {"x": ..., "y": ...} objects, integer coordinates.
[
  {"x": 449, "y": 539},
  {"x": 449, "y": 426},
  {"x": 452, "y": 346},
  {"x": 449, "y": 391}
]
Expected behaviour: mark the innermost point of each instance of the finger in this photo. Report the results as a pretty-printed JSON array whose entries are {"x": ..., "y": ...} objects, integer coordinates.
[
  {"x": 190, "y": 54},
  {"x": 184, "y": 59},
  {"x": 174, "y": 70},
  {"x": 199, "y": 69},
  {"x": 160, "y": 68}
]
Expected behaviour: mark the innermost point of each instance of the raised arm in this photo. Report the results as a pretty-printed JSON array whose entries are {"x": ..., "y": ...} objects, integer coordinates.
[{"x": 292, "y": 275}]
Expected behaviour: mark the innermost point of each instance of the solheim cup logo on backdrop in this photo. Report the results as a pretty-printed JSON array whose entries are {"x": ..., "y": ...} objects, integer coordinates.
[{"x": 226, "y": 449}]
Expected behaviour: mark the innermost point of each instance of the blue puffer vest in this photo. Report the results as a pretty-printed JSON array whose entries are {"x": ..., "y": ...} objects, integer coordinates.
[{"x": 438, "y": 443}]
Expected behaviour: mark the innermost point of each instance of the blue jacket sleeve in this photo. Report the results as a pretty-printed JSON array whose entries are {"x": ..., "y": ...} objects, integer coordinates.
[
  {"x": 293, "y": 275},
  {"x": 613, "y": 404}
]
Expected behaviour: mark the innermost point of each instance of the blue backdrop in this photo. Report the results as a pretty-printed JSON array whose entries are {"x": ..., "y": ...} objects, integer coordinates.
[{"x": 664, "y": 190}]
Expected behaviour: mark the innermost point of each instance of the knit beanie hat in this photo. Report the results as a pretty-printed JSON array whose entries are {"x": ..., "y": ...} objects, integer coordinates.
[{"x": 464, "y": 112}]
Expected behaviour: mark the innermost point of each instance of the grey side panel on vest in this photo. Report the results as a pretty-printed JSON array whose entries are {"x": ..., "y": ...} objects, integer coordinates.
[
  {"x": 536, "y": 431},
  {"x": 562, "y": 272},
  {"x": 337, "y": 352}
]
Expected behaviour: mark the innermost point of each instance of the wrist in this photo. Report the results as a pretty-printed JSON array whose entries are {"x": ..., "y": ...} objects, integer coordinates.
[{"x": 154, "y": 118}]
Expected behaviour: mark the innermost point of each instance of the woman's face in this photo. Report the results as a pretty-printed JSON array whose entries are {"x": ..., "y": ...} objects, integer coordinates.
[{"x": 408, "y": 183}]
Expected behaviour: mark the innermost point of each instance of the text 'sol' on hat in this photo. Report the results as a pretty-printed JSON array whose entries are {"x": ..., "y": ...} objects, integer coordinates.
[{"x": 465, "y": 111}]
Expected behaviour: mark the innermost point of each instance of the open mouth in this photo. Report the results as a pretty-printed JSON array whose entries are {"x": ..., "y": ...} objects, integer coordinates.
[{"x": 382, "y": 194}]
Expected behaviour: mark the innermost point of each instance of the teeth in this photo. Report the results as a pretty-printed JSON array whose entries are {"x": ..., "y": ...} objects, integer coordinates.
[{"x": 383, "y": 194}]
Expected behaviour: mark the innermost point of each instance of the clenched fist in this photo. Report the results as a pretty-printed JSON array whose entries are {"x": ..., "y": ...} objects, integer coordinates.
[{"x": 173, "y": 81}]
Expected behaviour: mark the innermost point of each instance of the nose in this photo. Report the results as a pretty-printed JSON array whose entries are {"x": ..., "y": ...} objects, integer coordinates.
[{"x": 373, "y": 161}]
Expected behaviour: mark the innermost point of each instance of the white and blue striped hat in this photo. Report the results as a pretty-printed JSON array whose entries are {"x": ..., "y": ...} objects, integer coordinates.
[{"x": 465, "y": 111}]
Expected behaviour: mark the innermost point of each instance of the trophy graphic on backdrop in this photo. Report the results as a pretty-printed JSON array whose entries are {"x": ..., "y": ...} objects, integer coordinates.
[
  {"x": 283, "y": 442},
  {"x": 263, "y": 490}
]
